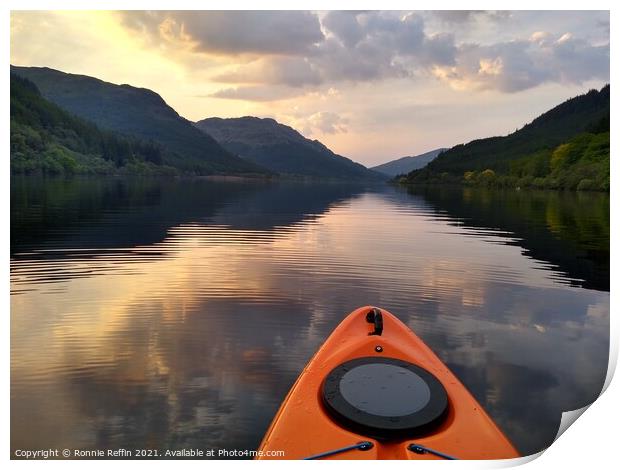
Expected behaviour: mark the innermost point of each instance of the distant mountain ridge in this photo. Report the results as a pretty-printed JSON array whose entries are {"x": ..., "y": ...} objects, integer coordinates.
[
  {"x": 137, "y": 112},
  {"x": 281, "y": 148},
  {"x": 405, "y": 165}
]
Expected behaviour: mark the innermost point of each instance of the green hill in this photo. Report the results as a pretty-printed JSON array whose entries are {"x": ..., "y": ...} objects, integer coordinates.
[
  {"x": 281, "y": 148},
  {"x": 564, "y": 148},
  {"x": 48, "y": 140},
  {"x": 140, "y": 113}
]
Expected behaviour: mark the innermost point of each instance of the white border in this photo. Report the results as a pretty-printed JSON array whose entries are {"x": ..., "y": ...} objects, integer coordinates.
[{"x": 591, "y": 443}]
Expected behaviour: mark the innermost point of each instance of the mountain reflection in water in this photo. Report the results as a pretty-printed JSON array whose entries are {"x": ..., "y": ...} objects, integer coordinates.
[{"x": 176, "y": 313}]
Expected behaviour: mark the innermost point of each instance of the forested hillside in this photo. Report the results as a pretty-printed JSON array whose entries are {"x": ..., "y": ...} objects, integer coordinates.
[
  {"x": 565, "y": 148},
  {"x": 48, "y": 140}
]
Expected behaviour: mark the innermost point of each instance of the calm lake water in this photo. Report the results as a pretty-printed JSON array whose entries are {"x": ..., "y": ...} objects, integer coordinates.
[{"x": 175, "y": 314}]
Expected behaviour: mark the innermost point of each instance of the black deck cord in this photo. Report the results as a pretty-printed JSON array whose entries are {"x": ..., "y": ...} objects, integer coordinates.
[
  {"x": 375, "y": 317},
  {"x": 364, "y": 445},
  {"x": 418, "y": 449}
]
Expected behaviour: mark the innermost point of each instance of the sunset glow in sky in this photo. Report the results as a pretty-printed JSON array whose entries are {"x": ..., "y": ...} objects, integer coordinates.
[{"x": 372, "y": 86}]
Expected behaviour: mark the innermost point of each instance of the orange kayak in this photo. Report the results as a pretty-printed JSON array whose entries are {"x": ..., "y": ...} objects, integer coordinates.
[{"x": 374, "y": 390}]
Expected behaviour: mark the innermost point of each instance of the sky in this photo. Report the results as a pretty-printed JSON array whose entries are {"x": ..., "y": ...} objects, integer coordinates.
[{"x": 371, "y": 85}]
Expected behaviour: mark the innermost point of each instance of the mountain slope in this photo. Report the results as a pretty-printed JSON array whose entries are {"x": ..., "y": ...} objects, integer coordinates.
[
  {"x": 557, "y": 150},
  {"x": 281, "y": 148},
  {"x": 405, "y": 165},
  {"x": 547, "y": 131},
  {"x": 137, "y": 112},
  {"x": 45, "y": 139}
]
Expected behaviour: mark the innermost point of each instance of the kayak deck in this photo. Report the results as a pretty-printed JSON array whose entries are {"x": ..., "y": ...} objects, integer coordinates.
[{"x": 317, "y": 416}]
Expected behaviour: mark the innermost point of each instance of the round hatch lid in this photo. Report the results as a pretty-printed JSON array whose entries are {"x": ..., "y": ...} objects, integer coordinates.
[{"x": 384, "y": 397}]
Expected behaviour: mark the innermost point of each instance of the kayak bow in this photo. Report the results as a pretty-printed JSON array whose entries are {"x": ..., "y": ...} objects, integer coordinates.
[{"x": 374, "y": 390}]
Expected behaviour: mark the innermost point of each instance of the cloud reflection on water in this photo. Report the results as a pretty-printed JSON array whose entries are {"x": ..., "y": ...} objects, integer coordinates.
[{"x": 197, "y": 343}]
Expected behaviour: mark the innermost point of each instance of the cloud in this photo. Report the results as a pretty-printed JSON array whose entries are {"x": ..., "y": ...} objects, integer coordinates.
[
  {"x": 519, "y": 65},
  {"x": 463, "y": 16},
  {"x": 345, "y": 25},
  {"x": 541, "y": 37},
  {"x": 367, "y": 61},
  {"x": 231, "y": 32},
  {"x": 255, "y": 93},
  {"x": 326, "y": 122},
  {"x": 578, "y": 61},
  {"x": 359, "y": 47},
  {"x": 389, "y": 31},
  {"x": 439, "y": 49},
  {"x": 290, "y": 47},
  {"x": 604, "y": 24},
  {"x": 297, "y": 49},
  {"x": 291, "y": 71}
]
